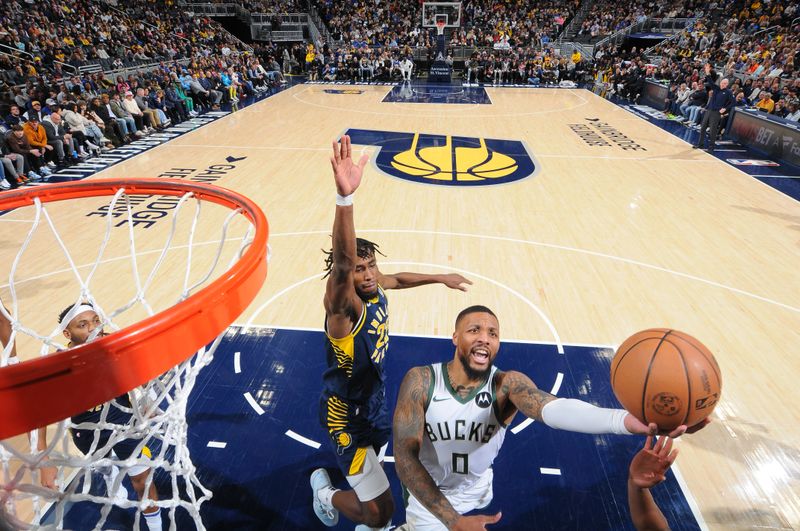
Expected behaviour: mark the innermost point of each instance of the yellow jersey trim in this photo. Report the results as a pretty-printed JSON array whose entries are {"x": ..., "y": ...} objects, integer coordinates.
[{"x": 357, "y": 464}]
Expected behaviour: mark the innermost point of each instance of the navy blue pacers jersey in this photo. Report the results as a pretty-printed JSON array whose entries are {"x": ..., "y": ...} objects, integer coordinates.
[
  {"x": 353, "y": 402},
  {"x": 94, "y": 415},
  {"x": 114, "y": 416}
]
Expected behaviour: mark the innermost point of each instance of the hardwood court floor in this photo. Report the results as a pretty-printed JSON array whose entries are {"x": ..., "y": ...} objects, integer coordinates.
[{"x": 599, "y": 243}]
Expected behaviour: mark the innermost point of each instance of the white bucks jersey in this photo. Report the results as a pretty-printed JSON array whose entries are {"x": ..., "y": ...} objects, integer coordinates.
[{"x": 462, "y": 435}]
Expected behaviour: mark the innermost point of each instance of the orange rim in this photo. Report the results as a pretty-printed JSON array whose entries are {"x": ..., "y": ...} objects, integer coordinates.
[{"x": 41, "y": 391}]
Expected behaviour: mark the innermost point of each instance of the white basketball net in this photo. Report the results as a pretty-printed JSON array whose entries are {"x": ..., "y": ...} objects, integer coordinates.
[{"x": 158, "y": 412}]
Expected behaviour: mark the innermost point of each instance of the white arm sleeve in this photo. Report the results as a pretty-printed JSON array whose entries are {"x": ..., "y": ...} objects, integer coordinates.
[{"x": 582, "y": 417}]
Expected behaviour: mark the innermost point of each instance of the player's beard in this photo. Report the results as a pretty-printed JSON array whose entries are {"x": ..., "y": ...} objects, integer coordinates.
[{"x": 473, "y": 374}]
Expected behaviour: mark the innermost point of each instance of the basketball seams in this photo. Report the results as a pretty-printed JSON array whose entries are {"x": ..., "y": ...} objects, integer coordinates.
[
  {"x": 617, "y": 365},
  {"x": 647, "y": 376},
  {"x": 688, "y": 381},
  {"x": 712, "y": 362},
  {"x": 622, "y": 358}
]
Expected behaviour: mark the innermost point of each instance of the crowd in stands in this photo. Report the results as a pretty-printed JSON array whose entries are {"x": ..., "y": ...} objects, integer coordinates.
[
  {"x": 606, "y": 17},
  {"x": 396, "y": 24},
  {"x": 272, "y": 6},
  {"x": 752, "y": 44},
  {"x": 375, "y": 39},
  {"x": 393, "y": 24},
  {"x": 267, "y": 6},
  {"x": 525, "y": 66},
  {"x": 60, "y": 36},
  {"x": 512, "y": 24},
  {"x": 50, "y": 119}
]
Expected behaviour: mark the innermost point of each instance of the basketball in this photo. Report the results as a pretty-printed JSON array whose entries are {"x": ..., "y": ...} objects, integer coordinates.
[{"x": 667, "y": 377}]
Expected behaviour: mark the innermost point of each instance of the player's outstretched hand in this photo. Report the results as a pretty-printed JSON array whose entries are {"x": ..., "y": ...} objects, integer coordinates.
[
  {"x": 650, "y": 464},
  {"x": 699, "y": 426},
  {"x": 345, "y": 172},
  {"x": 476, "y": 522},
  {"x": 637, "y": 427},
  {"x": 455, "y": 281}
]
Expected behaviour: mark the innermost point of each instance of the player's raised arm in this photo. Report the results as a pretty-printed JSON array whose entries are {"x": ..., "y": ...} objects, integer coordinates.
[
  {"x": 341, "y": 299},
  {"x": 412, "y": 280},
  {"x": 566, "y": 413}
]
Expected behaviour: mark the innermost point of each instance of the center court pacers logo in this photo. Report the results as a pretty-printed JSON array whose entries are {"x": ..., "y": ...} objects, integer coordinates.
[
  {"x": 447, "y": 160},
  {"x": 344, "y": 91}
]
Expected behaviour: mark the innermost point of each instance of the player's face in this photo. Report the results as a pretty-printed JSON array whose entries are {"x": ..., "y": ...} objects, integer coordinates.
[
  {"x": 365, "y": 277},
  {"x": 82, "y": 325},
  {"x": 477, "y": 340}
]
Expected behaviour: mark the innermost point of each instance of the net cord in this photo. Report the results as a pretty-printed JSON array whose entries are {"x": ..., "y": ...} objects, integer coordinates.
[{"x": 148, "y": 420}]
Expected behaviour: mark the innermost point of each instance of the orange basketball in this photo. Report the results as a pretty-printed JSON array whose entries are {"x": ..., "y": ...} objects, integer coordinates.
[{"x": 667, "y": 377}]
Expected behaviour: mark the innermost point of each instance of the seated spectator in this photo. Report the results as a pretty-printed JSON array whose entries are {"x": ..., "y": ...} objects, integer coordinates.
[
  {"x": 175, "y": 103},
  {"x": 143, "y": 122},
  {"x": 794, "y": 113},
  {"x": 158, "y": 103},
  {"x": 117, "y": 128},
  {"x": 194, "y": 90},
  {"x": 14, "y": 117},
  {"x": 683, "y": 94},
  {"x": 13, "y": 164},
  {"x": 35, "y": 165},
  {"x": 122, "y": 115},
  {"x": 109, "y": 138},
  {"x": 765, "y": 102},
  {"x": 208, "y": 82},
  {"x": 151, "y": 115},
  {"x": 37, "y": 139},
  {"x": 87, "y": 135},
  {"x": 122, "y": 85},
  {"x": 60, "y": 141},
  {"x": 36, "y": 110},
  {"x": 780, "y": 109},
  {"x": 694, "y": 106}
]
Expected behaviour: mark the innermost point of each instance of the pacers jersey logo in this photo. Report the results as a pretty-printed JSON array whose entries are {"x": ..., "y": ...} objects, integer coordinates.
[
  {"x": 379, "y": 330},
  {"x": 447, "y": 160}
]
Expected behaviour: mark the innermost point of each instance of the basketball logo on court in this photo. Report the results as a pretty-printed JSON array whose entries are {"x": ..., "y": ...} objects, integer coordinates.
[
  {"x": 343, "y": 91},
  {"x": 666, "y": 404},
  {"x": 447, "y": 160},
  {"x": 483, "y": 399}
]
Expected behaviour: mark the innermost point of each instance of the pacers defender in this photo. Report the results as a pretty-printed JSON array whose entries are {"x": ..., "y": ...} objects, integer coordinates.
[
  {"x": 83, "y": 326},
  {"x": 451, "y": 420},
  {"x": 353, "y": 402}
]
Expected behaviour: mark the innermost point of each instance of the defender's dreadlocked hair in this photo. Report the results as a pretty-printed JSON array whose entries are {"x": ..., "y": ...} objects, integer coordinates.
[{"x": 364, "y": 249}]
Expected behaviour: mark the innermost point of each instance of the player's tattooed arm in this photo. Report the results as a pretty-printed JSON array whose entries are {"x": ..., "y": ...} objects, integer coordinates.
[
  {"x": 523, "y": 394},
  {"x": 409, "y": 429}
]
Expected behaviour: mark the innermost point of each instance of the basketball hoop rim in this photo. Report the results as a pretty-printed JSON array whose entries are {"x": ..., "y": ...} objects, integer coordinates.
[{"x": 50, "y": 388}]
